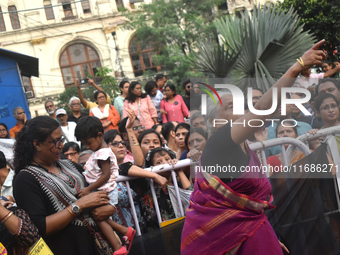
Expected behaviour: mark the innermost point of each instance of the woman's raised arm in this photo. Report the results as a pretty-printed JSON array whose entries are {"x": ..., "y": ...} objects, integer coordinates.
[{"x": 313, "y": 56}]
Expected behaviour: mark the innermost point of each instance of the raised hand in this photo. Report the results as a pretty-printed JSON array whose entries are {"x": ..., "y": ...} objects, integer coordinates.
[
  {"x": 132, "y": 116},
  {"x": 314, "y": 56}
]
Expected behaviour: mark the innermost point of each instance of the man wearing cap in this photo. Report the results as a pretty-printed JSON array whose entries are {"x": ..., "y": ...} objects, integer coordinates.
[
  {"x": 20, "y": 116},
  {"x": 67, "y": 128},
  {"x": 50, "y": 108},
  {"x": 75, "y": 107}
]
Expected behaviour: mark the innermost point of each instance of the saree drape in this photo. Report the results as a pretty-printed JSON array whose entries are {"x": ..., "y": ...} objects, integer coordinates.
[{"x": 229, "y": 218}]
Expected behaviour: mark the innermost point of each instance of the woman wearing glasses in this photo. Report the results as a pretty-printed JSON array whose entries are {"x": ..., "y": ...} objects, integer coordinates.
[
  {"x": 3, "y": 131},
  {"x": 107, "y": 113},
  {"x": 174, "y": 106},
  {"x": 118, "y": 146},
  {"x": 42, "y": 179},
  {"x": 141, "y": 104},
  {"x": 327, "y": 107}
]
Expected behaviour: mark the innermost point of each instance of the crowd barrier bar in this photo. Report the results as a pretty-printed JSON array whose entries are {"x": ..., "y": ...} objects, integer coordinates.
[
  {"x": 294, "y": 142},
  {"x": 156, "y": 169}
]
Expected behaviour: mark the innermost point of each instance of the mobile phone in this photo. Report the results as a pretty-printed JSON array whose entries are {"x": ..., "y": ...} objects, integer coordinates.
[{"x": 84, "y": 81}]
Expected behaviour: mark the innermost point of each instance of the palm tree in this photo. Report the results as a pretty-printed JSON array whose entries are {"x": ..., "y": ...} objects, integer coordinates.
[{"x": 260, "y": 46}]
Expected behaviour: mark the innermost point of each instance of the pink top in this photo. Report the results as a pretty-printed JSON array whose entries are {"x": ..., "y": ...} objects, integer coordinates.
[
  {"x": 93, "y": 172},
  {"x": 175, "y": 111},
  {"x": 144, "y": 110}
]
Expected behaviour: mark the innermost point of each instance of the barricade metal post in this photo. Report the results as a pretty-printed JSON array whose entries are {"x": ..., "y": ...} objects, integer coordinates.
[
  {"x": 284, "y": 155},
  {"x": 155, "y": 202},
  {"x": 132, "y": 204},
  {"x": 264, "y": 161},
  {"x": 174, "y": 180}
]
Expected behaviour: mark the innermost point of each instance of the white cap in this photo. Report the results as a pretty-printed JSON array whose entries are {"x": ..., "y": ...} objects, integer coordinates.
[{"x": 60, "y": 111}]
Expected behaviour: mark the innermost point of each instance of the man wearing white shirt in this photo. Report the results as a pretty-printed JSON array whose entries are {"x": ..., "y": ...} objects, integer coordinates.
[{"x": 67, "y": 128}]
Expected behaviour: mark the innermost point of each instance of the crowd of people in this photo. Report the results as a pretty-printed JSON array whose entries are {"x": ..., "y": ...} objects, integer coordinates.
[{"x": 66, "y": 165}]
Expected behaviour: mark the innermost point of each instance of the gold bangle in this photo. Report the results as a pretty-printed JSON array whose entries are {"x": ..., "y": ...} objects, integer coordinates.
[
  {"x": 71, "y": 212},
  {"x": 7, "y": 217},
  {"x": 135, "y": 144},
  {"x": 300, "y": 61}
]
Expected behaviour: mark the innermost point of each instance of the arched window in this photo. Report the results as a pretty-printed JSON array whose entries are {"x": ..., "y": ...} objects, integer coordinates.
[
  {"x": 142, "y": 56},
  {"x": 77, "y": 62},
  {"x": 13, "y": 14}
]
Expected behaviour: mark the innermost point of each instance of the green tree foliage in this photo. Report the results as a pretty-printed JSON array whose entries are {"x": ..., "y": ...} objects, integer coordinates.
[
  {"x": 108, "y": 82},
  {"x": 260, "y": 46},
  {"x": 321, "y": 18},
  {"x": 175, "y": 27}
]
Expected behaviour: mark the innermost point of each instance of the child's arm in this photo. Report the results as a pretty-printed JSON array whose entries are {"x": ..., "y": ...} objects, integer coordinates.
[
  {"x": 183, "y": 178},
  {"x": 106, "y": 173}
]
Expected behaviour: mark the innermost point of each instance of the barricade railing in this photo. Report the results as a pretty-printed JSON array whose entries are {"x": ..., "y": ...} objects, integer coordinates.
[
  {"x": 262, "y": 146},
  {"x": 258, "y": 146},
  {"x": 187, "y": 162},
  {"x": 157, "y": 169}
]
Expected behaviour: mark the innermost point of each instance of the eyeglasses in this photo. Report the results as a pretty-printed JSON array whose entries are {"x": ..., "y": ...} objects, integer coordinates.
[
  {"x": 58, "y": 142},
  {"x": 116, "y": 143},
  {"x": 72, "y": 154},
  {"x": 49, "y": 106},
  {"x": 138, "y": 128},
  {"x": 328, "y": 107},
  {"x": 3, "y": 130}
]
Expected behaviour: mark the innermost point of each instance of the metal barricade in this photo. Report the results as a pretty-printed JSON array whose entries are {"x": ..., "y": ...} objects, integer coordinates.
[
  {"x": 258, "y": 146},
  {"x": 156, "y": 169}
]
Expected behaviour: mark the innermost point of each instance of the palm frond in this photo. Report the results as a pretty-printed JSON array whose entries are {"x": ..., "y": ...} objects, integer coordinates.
[{"x": 214, "y": 59}]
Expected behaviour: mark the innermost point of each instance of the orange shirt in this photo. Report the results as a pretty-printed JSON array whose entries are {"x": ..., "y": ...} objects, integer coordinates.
[
  {"x": 16, "y": 129},
  {"x": 113, "y": 116}
]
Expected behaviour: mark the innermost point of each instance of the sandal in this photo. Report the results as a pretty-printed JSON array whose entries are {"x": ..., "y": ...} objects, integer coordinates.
[
  {"x": 121, "y": 251},
  {"x": 129, "y": 237}
]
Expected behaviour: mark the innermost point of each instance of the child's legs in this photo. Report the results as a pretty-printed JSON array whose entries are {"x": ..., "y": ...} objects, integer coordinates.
[
  {"x": 117, "y": 227},
  {"x": 110, "y": 235},
  {"x": 113, "y": 201}
]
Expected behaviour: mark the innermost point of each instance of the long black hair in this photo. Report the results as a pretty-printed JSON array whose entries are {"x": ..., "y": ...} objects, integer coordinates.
[
  {"x": 131, "y": 98},
  {"x": 39, "y": 128}
]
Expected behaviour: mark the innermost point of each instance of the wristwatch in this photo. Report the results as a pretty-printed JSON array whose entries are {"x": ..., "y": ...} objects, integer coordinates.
[{"x": 75, "y": 209}]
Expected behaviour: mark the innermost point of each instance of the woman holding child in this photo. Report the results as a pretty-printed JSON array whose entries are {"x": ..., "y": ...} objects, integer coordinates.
[
  {"x": 42, "y": 179},
  {"x": 226, "y": 213}
]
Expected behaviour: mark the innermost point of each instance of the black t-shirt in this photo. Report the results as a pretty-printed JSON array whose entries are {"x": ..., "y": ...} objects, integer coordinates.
[
  {"x": 30, "y": 196},
  {"x": 74, "y": 119},
  {"x": 186, "y": 101},
  {"x": 221, "y": 151}
]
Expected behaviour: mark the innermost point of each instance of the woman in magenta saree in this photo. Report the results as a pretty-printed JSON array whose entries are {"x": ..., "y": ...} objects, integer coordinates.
[
  {"x": 229, "y": 218},
  {"x": 226, "y": 212}
]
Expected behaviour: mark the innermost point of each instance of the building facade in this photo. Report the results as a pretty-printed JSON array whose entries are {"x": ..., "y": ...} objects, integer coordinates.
[{"x": 72, "y": 38}]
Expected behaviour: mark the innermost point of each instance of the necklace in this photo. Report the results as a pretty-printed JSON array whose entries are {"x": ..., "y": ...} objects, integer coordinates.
[{"x": 61, "y": 170}]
